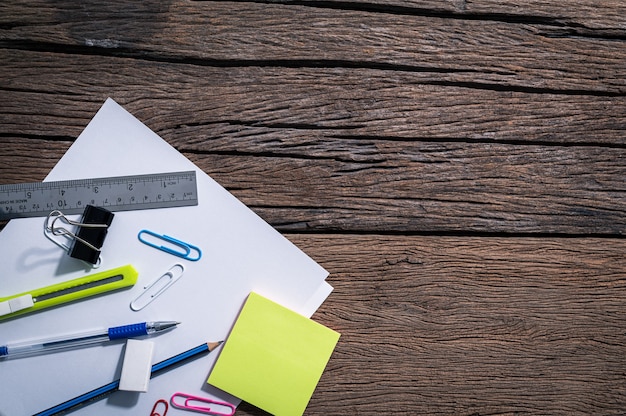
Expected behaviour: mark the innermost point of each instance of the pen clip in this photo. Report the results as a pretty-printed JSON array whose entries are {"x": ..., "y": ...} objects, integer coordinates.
[
  {"x": 157, "y": 286},
  {"x": 187, "y": 249},
  {"x": 194, "y": 403}
]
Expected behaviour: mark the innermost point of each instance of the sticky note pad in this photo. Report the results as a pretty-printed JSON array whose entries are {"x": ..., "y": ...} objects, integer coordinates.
[{"x": 273, "y": 357}]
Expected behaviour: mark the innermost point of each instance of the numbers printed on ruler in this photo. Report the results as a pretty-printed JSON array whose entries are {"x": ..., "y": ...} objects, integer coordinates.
[{"x": 122, "y": 193}]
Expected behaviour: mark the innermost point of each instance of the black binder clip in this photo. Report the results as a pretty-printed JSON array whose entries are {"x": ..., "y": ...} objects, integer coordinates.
[{"x": 86, "y": 242}]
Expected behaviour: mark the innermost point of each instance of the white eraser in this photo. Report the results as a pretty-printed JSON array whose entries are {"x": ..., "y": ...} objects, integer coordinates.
[{"x": 137, "y": 365}]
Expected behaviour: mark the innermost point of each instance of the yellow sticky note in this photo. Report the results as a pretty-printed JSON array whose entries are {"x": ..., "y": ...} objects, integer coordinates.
[{"x": 273, "y": 357}]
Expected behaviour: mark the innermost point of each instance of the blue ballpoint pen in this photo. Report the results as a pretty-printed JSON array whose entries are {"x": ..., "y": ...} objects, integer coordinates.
[{"x": 79, "y": 340}]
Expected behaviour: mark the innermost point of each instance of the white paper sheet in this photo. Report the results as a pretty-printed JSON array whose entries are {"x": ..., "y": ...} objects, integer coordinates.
[{"x": 241, "y": 253}]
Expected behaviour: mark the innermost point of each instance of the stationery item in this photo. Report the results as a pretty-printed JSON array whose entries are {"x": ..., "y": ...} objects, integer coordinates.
[
  {"x": 246, "y": 254},
  {"x": 57, "y": 294},
  {"x": 158, "y": 286},
  {"x": 137, "y": 365},
  {"x": 85, "y": 339},
  {"x": 198, "y": 404},
  {"x": 175, "y": 245},
  {"x": 92, "y": 230},
  {"x": 119, "y": 193},
  {"x": 107, "y": 389},
  {"x": 154, "y": 411},
  {"x": 273, "y": 357}
]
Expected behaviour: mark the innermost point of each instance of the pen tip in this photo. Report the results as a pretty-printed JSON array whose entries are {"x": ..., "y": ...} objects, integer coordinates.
[{"x": 165, "y": 325}]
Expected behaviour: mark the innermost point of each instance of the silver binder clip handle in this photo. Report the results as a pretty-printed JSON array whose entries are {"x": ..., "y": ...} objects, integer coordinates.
[{"x": 50, "y": 230}]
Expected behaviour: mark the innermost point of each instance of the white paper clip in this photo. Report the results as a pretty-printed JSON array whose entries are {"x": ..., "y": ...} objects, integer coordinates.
[
  {"x": 199, "y": 404},
  {"x": 158, "y": 286}
]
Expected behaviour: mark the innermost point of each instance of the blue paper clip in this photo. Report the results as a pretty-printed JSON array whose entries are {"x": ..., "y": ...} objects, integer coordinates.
[{"x": 187, "y": 249}]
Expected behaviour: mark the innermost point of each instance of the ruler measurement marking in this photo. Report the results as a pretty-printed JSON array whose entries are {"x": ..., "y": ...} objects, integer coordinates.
[{"x": 116, "y": 193}]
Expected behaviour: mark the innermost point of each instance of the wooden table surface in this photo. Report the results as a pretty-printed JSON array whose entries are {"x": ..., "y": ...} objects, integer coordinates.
[{"x": 458, "y": 166}]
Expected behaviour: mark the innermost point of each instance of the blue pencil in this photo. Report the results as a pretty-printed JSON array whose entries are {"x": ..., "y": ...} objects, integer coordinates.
[{"x": 104, "y": 391}]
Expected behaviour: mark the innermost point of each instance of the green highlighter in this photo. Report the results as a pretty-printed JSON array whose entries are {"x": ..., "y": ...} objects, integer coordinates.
[{"x": 57, "y": 294}]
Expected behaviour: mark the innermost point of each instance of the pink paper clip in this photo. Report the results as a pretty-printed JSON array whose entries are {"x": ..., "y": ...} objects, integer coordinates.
[
  {"x": 219, "y": 408},
  {"x": 154, "y": 408}
]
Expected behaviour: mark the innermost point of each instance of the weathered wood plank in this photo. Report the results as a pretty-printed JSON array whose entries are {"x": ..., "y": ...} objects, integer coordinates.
[
  {"x": 444, "y": 325},
  {"x": 575, "y": 16},
  {"x": 55, "y": 94},
  {"x": 28, "y": 160},
  {"x": 405, "y": 187},
  {"x": 441, "y": 187},
  {"x": 482, "y": 52}
]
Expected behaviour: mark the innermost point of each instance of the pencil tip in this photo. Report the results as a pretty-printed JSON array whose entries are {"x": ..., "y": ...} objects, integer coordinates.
[{"x": 214, "y": 345}]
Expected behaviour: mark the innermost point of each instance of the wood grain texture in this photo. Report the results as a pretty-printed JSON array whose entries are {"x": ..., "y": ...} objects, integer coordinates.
[
  {"x": 433, "y": 188},
  {"x": 378, "y": 186},
  {"x": 473, "y": 325},
  {"x": 192, "y": 100},
  {"x": 457, "y": 166},
  {"x": 586, "y": 16},
  {"x": 479, "y": 52}
]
